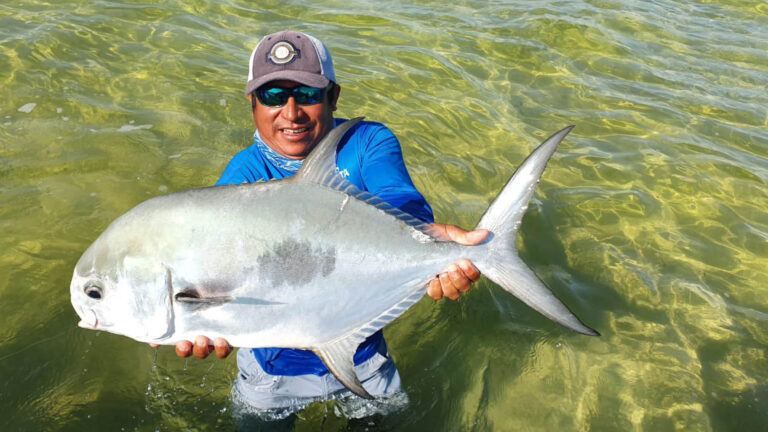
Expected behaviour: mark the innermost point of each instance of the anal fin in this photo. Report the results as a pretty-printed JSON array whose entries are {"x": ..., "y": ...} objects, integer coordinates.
[{"x": 338, "y": 357}]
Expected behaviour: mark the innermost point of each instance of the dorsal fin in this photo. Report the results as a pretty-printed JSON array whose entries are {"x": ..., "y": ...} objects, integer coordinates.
[
  {"x": 320, "y": 165},
  {"x": 368, "y": 198}
]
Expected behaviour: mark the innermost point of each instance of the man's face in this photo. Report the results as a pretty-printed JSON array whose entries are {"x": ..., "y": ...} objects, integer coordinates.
[{"x": 293, "y": 130}]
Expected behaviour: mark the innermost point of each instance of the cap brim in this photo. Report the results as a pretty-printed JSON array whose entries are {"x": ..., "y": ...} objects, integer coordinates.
[{"x": 306, "y": 78}]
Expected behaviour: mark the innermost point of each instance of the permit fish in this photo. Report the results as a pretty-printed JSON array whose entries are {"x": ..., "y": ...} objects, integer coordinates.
[{"x": 309, "y": 262}]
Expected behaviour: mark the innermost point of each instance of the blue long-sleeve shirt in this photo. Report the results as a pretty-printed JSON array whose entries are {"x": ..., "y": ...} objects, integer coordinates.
[{"x": 369, "y": 157}]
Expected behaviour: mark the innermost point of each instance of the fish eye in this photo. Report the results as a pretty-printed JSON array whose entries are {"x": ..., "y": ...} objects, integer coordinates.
[{"x": 93, "y": 291}]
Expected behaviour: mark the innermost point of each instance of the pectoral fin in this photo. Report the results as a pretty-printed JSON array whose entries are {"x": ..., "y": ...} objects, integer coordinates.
[
  {"x": 338, "y": 357},
  {"x": 193, "y": 297}
]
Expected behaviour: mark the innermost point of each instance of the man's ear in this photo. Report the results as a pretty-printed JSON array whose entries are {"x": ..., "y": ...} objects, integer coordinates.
[{"x": 333, "y": 96}]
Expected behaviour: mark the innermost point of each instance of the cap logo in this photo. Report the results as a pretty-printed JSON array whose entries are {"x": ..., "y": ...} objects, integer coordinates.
[{"x": 282, "y": 53}]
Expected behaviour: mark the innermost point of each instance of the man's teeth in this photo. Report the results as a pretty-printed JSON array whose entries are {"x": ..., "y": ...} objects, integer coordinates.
[{"x": 295, "y": 131}]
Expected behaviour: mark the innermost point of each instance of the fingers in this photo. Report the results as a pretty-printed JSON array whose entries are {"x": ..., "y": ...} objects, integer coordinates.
[
  {"x": 466, "y": 238},
  {"x": 470, "y": 271},
  {"x": 202, "y": 348},
  {"x": 460, "y": 235},
  {"x": 434, "y": 289},
  {"x": 456, "y": 279},
  {"x": 448, "y": 284},
  {"x": 184, "y": 348},
  {"x": 222, "y": 347},
  {"x": 452, "y": 282}
]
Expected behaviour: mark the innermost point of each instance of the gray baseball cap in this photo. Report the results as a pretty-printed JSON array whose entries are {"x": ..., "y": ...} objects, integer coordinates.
[{"x": 290, "y": 55}]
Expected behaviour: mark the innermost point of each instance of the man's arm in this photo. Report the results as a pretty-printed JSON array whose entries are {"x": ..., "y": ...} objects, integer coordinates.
[{"x": 385, "y": 175}]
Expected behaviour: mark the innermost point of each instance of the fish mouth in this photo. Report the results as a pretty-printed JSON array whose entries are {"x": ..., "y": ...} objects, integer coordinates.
[{"x": 89, "y": 320}]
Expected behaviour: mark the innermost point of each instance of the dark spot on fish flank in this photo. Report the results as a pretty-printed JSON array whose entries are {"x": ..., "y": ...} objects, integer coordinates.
[
  {"x": 295, "y": 262},
  {"x": 329, "y": 264}
]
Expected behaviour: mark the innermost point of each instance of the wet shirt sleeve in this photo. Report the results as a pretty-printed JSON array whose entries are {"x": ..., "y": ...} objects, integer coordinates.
[
  {"x": 249, "y": 166},
  {"x": 384, "y": 174},
  {"x": 239, "y": 171}
]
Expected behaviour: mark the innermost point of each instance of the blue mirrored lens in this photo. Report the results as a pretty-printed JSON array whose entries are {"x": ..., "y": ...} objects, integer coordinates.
[
  {"x": 277, "y": 96},
  {"x": 308, "y": 95},
  {"x": 273, "y": 97}
]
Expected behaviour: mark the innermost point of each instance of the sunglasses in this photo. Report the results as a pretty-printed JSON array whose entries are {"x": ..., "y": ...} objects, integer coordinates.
[{"x": 303, "y": 95}]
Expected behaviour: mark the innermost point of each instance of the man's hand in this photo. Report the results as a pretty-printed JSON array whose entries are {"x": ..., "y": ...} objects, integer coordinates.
[
  {"x": 458, "y": 277},
  {"x": 202, "y": 347}
]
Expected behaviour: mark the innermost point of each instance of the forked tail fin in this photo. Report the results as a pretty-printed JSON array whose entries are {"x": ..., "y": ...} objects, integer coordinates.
[{"x": 502, "y": 219}]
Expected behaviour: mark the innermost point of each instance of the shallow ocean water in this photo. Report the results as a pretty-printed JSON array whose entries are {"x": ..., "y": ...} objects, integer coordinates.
[{"x": 650, "y": 221}]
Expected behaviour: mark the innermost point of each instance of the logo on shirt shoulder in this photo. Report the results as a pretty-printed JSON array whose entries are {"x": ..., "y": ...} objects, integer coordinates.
[{"x": 343, "y": 173}]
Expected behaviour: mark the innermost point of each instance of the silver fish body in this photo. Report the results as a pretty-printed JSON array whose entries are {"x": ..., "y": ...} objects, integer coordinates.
[
  {"x": 308, "y": 262},
  {"x": 286, "y": 263}
]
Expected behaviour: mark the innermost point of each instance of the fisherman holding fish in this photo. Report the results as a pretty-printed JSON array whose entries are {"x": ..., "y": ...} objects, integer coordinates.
[
  {"x": 293, "y": 92},
  {"x": 320, "y": 259}
]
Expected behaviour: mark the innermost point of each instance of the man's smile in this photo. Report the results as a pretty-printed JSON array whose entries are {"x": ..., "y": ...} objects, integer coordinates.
[{"x": 294, "y": 131}]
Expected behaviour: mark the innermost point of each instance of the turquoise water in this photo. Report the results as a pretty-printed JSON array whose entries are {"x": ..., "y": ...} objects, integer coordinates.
[{"x": 650, "y": 221}]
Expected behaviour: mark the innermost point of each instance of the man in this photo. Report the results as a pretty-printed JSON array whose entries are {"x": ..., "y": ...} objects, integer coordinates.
[{"x": 293, "y": 93}]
